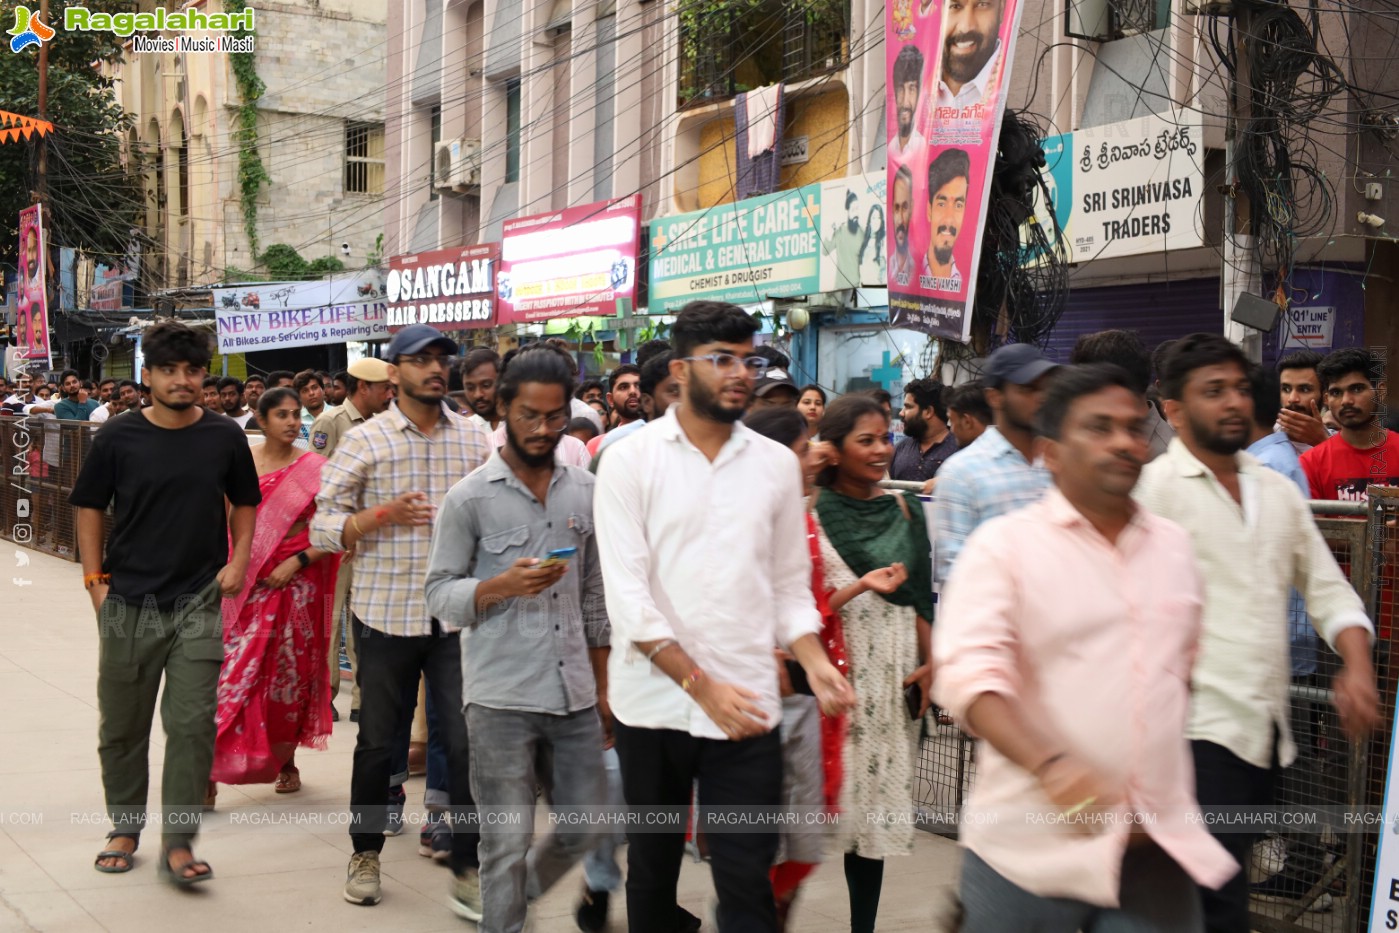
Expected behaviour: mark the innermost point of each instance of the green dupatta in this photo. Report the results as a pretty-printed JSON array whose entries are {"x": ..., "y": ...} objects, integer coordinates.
[{"x": 872, "y": 533}]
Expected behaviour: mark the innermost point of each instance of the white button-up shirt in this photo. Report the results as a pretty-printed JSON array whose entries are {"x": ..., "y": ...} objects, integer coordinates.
[
  {"x": 974, "y": 91},
  {"x": 713, "y": 555},
  {"x": 1251, "y": 556}
]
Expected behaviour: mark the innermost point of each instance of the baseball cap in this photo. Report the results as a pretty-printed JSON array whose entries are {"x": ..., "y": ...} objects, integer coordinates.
[
  {"x": 418, "y": 337},
  {"x": 773, "y": 379},
  {"x": 1017, "y": 363},
  {"x": 369, "y": 369}
]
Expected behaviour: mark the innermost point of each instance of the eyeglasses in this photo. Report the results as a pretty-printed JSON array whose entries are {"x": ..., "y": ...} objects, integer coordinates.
[
  {"x": 554, "y": 423},
  {"x": 424, "y": 360},
  {"x": 728, "y": 362}
]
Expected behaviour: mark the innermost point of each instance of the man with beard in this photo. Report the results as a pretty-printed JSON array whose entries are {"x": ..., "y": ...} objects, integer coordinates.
[
  {"x": 1123, "y": 348},
  {"x": 928, "y": 440},
  {"x": 624, "y": 393},
  {"x": 1045, "y": 615},
  {"x": 659, "y": 390},
  {"x": 902, "y": 265},
  {"x": 209, "y": 396},
  {"x": 106, "y": 389},
  {"x": 1363, "y": 453},
  {"x": 971, "y": 47},
  {"x": 844, "y": 242},
  {"x": 253, "y": 387},
  {"x": 231, "y": 400},
  {"x": 702, "y": 534},
  {"x": 185, "y": 492},
  {"x": 378, "y": 495},
  {"x": 480, "y": 371},
  {"x": 998, "y": 473},
  {"x": 338, "y": 391},
  {"x": 1254, "y": 540},
  {"x": 124, "y": 397},
  {"x": 908, "y": 87},
  {"x": 69, "y": 408},
  {"x": 527, "y": 699},
  {"x": 949, "y": 176}
]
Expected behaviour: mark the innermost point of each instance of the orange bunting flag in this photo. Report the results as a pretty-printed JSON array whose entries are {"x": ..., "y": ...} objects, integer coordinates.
[{"x": 22, "y": 125}]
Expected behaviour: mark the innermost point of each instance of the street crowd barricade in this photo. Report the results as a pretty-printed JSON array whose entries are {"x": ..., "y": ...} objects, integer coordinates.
[
  {"x": 42, "y": 457},
  {"x": 1333, "y": 856}
]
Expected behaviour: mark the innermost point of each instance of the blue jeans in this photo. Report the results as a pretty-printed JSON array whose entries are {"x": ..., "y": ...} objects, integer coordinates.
[
  {"x": 1156, "y": 896},
  {"x": 512, "y": 753},
  {"x": 600, "y": 869}
]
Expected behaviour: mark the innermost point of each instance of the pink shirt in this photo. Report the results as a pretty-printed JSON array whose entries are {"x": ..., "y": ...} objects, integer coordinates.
[
  {"x": 570, "y": 451},
  {"x": 1097, "y": 643}
]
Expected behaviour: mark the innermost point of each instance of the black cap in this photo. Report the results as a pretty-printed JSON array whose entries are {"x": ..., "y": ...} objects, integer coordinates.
[
  {"x": 1017, "y": 363},
  {"x": 418, "y": 337},
  {"x": 773, "y": 379}
]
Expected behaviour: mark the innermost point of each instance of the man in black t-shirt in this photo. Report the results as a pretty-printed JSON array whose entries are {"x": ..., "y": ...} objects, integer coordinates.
[{"x": 165, "y": 470}]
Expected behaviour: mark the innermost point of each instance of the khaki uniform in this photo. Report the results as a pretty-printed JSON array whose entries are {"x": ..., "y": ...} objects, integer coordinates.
[{"x": 326, "y": 431}]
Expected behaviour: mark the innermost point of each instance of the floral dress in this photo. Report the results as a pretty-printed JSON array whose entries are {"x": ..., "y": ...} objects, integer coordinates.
[{"x": 881, "y": 641}]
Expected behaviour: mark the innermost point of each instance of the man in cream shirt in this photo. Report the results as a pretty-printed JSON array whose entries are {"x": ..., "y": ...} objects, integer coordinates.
[{"x": 1254, "y": 541}]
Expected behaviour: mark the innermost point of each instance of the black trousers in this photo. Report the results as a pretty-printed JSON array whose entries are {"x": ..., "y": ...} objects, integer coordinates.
[
  {"x": 389, "y": 666},
  {"x": 659, "y": 767},
  {"x": 1224, "y": 780}
]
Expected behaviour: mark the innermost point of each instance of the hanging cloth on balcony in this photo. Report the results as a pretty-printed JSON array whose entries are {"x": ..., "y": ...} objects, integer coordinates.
[{"x": 758, "y": 140}]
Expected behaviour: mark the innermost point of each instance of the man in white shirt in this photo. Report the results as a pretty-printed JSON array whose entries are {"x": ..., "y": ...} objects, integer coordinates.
[
  {"x": 1255, "y": 540},
  {"x": 971, "y": 48},
  {"x": 902, "y": 265},
  {"x": 703, "y": 547},
  {"x": 125, "y": 396},
  {"x": 908, "y": 87}
]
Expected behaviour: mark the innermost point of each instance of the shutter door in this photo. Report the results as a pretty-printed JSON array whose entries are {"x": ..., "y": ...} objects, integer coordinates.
[{"x": 1157, "y": 311}]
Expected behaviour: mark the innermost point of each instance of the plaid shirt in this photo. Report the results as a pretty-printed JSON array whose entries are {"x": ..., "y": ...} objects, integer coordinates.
[
  {"x": 987, "y": 478},
  {"x": 375, "y": 463}
]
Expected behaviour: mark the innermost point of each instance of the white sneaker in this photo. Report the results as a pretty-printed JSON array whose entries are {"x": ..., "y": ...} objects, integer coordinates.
[
  {"x": 362, "y": 879},
  {"x": 465, "y": 899}
]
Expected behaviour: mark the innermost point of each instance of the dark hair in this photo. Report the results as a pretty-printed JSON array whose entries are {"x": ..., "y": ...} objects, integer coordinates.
[
  {"x": 655, "y": 371},
  {"x": 1340, "y": 363},
  {"x": 1193, "y": 352},
  {"x": 813, "y": 387},
  {"x": 905, "y": 173},
  {"x": 537, "y": 366},
  {"x": 775, "y": 357},
  {"x": 969, "y": 398},
  {"x": 1299, "y": 359},
  {"x": 701, "y": 322},
  {"x": 1158, "y": 358},
  {"x": 63, "y": 376},
  {"x": 650, "y": 350},
  {"x": 583, "y": 387},
  {"x": 211, "y": 382},
  {"x": 277, "y": 375},
  {"x": 560, "y": 346},
  {"x": 1073, "y": 383},
  {"x": 850, "y": 198},
  {"x": 870, "y": 236},
  {"x": 908, "y": 66},
  {"x": 626, "y": 369},
  {"x": 272, "y": 398},
  {"x": 480, "y": 357},
  {"x": 305, "y": 378},
  {"x": 1267, "y": 396},
  {"x": 781, "y": 424},
  {"x": 582, "y": 424},
  {"x": 950, "y": 164},
  {"x": 106, "y": 380},
  {"x": 255, "y": 378},
  {"x": 928, "y": 394},
  {"x": 1119, "y": 347},
  {"x": 89, "y": 385},
  {"x": 839, "y": 420},
  {"x": 129, "y": 382},
  {"x": 227, "y": 381},
  {"x": 172, "y": 342},
  {"x": 881, "y": 396},
  {"x": 341, "y": 376}
]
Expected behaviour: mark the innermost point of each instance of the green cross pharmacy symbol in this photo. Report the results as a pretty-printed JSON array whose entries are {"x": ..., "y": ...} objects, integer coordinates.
[{"x": 889, "y": 374}]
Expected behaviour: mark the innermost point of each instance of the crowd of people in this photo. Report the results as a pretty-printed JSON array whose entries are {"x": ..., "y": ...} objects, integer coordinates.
[{"x": 688, "y": 590}]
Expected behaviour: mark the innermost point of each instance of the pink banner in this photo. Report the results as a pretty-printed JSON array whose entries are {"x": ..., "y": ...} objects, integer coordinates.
[
  {"x": 581, "y": 260},
  {"x": 948, "y": 71},
  {"x": 32, "y": 337}
]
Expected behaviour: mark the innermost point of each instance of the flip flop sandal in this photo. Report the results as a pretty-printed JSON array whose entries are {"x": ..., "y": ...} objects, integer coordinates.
[
  {"x": 288, "y": 781},
  {"x": 177, "y": 876},
  {"x": 127, "y": 860}
]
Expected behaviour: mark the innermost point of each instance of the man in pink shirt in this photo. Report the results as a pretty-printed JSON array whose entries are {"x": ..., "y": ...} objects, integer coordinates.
[{"x": 1065, "y": 644}]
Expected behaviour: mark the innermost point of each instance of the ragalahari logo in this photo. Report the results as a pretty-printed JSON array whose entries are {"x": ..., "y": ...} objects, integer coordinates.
[{"x": 28, "y": 30}]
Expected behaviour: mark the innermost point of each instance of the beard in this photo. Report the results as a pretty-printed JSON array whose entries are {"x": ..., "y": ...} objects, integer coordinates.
[
  {"x": 534, "y": 461},
  {"x": 905, "y": 124},
  {"x": 178, "y": 406},
  {"x": 942, "y": 255},
  {"x": 916, "y": 428},
  {"x": 901, "y": 236},
  {"x": 964, "y": 69},
  {"x": 1215, "y": 440},
  {"x": 484, "y": 407},
  {"x": 853, "y": 225},
  {"x": 706, "y": 403}
]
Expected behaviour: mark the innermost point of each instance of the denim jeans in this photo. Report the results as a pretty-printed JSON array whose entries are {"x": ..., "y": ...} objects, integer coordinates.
[
  {"x": 600, "y": 869},
  {"x": 512, "y": 753},
  {"x": 1156, "y": 896}
]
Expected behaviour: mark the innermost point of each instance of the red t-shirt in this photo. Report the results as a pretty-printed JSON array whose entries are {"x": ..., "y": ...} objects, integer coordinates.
[{"x": 1336, "y": 470}]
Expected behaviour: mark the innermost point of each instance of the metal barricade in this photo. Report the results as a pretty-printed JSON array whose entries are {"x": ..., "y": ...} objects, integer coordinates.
[
  {"x": 42, "y": 457},
  {"x": 1319, "y": 880}
]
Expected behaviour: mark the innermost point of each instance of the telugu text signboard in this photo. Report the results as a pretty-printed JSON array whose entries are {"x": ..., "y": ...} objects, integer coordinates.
[
  {"x": 578, "y": 261},
  {"x": 743, "y": 253},
  {"x": 453, "y": 289}
]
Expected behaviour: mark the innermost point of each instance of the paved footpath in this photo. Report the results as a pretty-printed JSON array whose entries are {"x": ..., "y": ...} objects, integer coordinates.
[{"x": 271, "y": 876}]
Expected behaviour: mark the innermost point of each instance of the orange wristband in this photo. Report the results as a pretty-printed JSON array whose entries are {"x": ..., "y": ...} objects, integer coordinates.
[
  {"x": 380, "y": 515},
  {"x": 93, "y": 579}
]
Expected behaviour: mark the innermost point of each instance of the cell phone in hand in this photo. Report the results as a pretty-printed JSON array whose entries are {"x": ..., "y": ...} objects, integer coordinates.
[
  {"x": 913, "y": 700},
  {"x": 558, "y": 556}
]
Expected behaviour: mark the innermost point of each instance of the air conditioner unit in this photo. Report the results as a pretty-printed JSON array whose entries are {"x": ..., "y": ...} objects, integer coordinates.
[
  {"x": 457, "y": 165},
  {"x": 442, "y": 167}
]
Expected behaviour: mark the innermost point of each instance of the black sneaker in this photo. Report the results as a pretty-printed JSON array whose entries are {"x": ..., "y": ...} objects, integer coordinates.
[
  {"x": 592, "y": 911},
  {"x": 354, "y": 715},
  {"x": 687, "y": 922},
  {"x": 334, "y": 714}
]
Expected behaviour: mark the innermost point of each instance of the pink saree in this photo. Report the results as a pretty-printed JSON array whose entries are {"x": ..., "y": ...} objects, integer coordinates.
[{"x": 274, "y": 689}]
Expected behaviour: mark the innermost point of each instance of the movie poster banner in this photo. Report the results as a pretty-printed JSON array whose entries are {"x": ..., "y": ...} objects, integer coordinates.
[
  {"x": 949, "y": 66},
  {"x": 32, "y": 306},
  {"x": 578, "y": 261}
]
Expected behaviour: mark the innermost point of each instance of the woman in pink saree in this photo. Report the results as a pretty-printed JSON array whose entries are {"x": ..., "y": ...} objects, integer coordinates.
[{"x": 274, "y": 689}]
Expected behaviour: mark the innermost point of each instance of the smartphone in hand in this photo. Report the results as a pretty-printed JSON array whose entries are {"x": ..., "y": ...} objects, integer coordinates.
[{"x": 558, "y": 556}]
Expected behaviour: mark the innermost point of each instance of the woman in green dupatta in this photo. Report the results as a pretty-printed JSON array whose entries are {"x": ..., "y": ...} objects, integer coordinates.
[{"x": 861, "y": 528}]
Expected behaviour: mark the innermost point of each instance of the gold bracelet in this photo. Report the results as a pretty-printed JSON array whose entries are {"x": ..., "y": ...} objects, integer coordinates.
[{"x": 354, "y": 520}]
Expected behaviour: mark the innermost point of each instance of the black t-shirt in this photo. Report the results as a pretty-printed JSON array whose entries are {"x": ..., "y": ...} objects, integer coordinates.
[{"x": 170, "y": 537}]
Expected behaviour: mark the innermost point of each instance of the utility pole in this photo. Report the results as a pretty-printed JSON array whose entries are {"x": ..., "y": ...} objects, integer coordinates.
[
  {"x": 1241, "y": 273},
  {"x": 42, "y": 183}
]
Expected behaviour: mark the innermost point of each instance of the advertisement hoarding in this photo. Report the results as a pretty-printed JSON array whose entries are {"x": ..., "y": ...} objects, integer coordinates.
[
  {"x": 451, "y": 289},
  {"x": 31, "y": 336},
  {"x": 266, "y": 316}
]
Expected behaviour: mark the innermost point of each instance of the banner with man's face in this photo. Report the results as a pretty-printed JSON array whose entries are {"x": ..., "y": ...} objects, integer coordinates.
[
  {"x": 32, "y": 308},
  {"x": 949, "y": 66}
]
